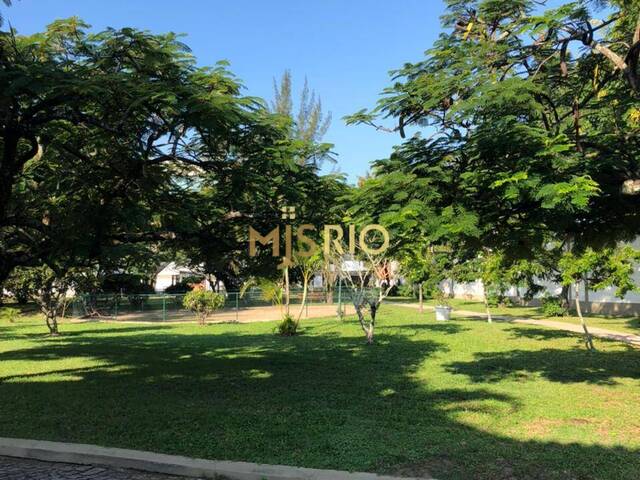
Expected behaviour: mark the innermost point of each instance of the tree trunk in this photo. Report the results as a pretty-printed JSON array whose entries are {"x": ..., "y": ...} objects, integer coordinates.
[
  {"x": 370, "y": 335},
  {"x": 367, "y": 327},
  {"x": 588, "y": 340},
  {"x": 52, "y": 324},
  {"x": 586, "y": 296},
  {"x": 520, "y": 297},
  {"x": 329, "y": 295},
  {"x": 372, "y": 324},
  {"x": 486, "y": 303},
  {"x": 286, "y": 290},
  {"x": 564, "y": 295},
  {"x": 420, "y": 298},
  {"x": 305, "y": 288}
]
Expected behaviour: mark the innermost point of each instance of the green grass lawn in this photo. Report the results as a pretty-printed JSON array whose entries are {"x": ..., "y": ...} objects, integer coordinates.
[
  {"x": 620, "y": 324},
  {"x": 460, "y": 400}
]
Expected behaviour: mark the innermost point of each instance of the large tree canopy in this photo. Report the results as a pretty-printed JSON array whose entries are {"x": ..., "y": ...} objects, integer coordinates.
[
  {"x": 115, "y": 141},
  {"x": 531, "y": 156},
  {"x": 530, "y": 125}
]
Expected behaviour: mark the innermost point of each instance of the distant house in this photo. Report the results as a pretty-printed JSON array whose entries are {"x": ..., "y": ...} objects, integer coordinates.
[{"x": 171, "y": 274}]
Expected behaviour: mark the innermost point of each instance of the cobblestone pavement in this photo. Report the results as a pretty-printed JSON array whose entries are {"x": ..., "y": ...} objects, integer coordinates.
[{"x": 24, "y": 469}]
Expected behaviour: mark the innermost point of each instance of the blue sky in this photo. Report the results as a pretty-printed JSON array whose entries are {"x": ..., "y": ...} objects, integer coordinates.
[{"x": 344, "y": 47}]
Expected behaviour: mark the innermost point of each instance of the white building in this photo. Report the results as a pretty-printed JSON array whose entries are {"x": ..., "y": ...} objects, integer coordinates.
[{"x": 172, "y": 274}]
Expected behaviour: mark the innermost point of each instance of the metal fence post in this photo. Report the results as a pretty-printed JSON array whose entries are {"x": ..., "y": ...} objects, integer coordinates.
[
  {"x": 164, "y": 307},
  {"x": 237, "y": 305},
  {"x": 116, "y": 308},
  {"x": 340, "y": 298}
]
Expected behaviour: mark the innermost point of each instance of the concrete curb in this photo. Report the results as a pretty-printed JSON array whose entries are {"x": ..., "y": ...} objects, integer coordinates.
[{"x": 169, "y": 464}]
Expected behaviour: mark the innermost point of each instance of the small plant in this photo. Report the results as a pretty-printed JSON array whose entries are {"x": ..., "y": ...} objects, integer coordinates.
[
  {"x": 498, "y": 299},
  {"x": 287, "y": 327},
  {"x": 202, "y": 303},
  {"x": 553, "y": 307},
  {"x": 9, "y": 314},
  {"x": 493, "y": 299},
  {"x": 440, "y": 298}
]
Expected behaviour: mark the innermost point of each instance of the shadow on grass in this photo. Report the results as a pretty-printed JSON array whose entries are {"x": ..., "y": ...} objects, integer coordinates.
[
  {"x": 449, "y": 328},
  {"x": 544, "y": 333},
  {"x": 320, "y": 400},
  {"x": 565, "y": 366},
  {"x": 457, "y": 317},
  {"x": 9, "y": 332},
  {"x": 634, "y": 323}
]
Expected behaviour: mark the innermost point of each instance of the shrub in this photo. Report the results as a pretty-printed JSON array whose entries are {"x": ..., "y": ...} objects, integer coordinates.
[
  {"x": 553, "y": 307},
  {"x": 184, "y": 286},
  {"x": 497, "y": 298},
  {"x": 18, "y": 287},
  {"x": 287, "y": 327},
  {"x": 202, "y": 303},
  {"x": 406, "y": 290},
  {"x": 493, "y": 299}
]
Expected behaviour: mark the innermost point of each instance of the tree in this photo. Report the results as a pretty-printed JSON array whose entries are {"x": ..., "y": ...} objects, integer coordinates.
[
  {"x": 307, "y": 265},
  {"x": 213, "y": 226},
  {"x": 17, "y": 289},
  {"x": 424, "y": 266},
  {"x": 149, "y": 151},
  {"x": 489, "y": 268},
  {"x": 531, "y": 143},
  {"x": 8, "y": 4},
  {"x": 49, "y": 289},
  {"x": 203, "y": 303},
  {"x": 329, "y": 277},
  {"x": 596, "y": 270},
  {"x": 468, "y": 77},
  {"x": 117, "y": 148},
  {"x": 556, "y": 34},
  {"x": 368, "y": 285},
  {"x": 309, "y": 124},
  {"x": 525, "y": 275}
]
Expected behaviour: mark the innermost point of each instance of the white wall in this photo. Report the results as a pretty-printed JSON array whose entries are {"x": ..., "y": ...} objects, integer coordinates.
[
  {"x": 164, "y": 278},
  {"x": 162, "y": 282},
  {"x": 608, "y": 295}
]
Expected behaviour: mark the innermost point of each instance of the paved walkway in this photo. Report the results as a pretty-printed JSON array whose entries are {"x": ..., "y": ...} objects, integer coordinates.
[
  {"x": 76, "y": 461},
  {"x": 627, "y": 338},
  {"x": 27, "y": 469}
]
